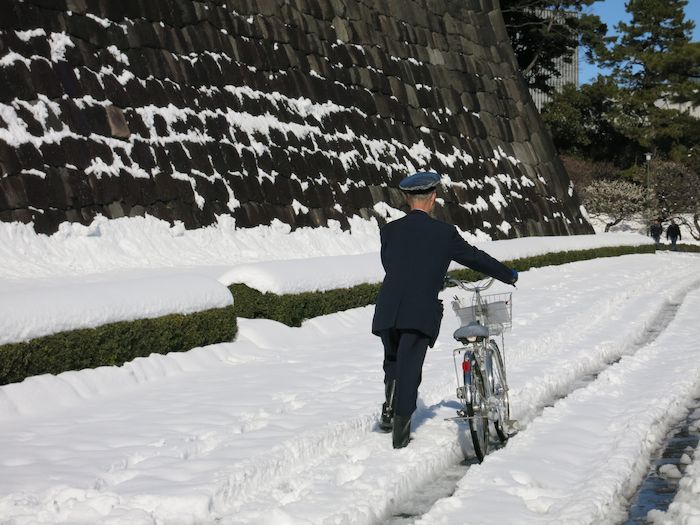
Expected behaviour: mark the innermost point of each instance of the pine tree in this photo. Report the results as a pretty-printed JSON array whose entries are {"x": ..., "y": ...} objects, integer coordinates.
[
  {"x": 656, "y": 65},
  {"x": 542, "y": 31}
]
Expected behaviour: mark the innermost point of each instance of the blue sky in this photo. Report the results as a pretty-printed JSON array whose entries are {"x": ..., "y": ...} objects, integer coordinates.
[{"x": 613, "y": 11}]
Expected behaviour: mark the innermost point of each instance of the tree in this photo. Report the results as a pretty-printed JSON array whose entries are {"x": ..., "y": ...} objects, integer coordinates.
[
  {"x": 583, "y": 172},
  {"x": 541, "y": 31},
  {"x": 613, "y": 200},
  {"x": 677, "y": 190},
  {"x": 583, "y": 122},
  {"x": 655, "y": 64}
]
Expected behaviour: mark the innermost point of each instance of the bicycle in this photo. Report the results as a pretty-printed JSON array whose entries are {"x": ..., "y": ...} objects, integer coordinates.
[{"x": 482, "y": 386}]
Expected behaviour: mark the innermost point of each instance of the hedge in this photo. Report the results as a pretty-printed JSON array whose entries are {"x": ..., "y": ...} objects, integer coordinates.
[
  {"x": 293, "y": 309},
  {"x": 115, "y": 343},
  {"x": 118, "y": 343},
  {"x": 693, "y": 248}
]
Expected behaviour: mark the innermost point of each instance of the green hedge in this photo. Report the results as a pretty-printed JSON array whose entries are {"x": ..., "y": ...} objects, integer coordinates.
[
  {"x": 693, "y": 248},
  {"x": 118, "y": 343},
  {"x": 115, "y": 343},
  {"x": 293, "y": 309},
  {"x": 557, "y": 258}
]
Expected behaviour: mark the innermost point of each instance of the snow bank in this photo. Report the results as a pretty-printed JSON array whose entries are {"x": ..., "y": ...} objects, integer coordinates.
[
  {"x": 250, "y": 431},
  {"x": 305, "y": 275},
  {"x": 147, "y": 242},
  {"x": 33, "y": 309},
  {"x": 77, "y": 278},
  {"x": 327, "y": 273},
  {"x": 68, "y": 389}
]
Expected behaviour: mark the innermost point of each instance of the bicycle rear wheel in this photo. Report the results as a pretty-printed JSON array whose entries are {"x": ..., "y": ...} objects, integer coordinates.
[
  {"x": 478, "y": 421},
  {"x": 499, "y": 388}
]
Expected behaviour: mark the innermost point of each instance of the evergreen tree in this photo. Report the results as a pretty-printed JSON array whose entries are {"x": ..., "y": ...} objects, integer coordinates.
[
  {"x": 582, "y": 122},
  {"x": 656, "y": 65},
  {"x": 541, "y": 31}
]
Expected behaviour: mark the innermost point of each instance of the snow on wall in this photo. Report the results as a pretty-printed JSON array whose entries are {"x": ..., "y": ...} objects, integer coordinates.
[{"x": 301, "y": 111}]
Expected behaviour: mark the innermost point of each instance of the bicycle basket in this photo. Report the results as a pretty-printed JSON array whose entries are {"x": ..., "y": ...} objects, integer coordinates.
[{"x": 497, "y": 311}]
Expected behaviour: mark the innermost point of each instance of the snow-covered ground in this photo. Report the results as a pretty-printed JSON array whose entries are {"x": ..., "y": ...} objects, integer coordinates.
[{"x": 279, "y": 426}]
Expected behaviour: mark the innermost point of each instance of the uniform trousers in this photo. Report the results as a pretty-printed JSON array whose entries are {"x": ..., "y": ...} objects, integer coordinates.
[{"x": 404, "y": 353}]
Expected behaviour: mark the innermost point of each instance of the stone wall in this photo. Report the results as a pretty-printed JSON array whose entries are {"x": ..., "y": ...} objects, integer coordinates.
[{"x": 300, "y": 110}]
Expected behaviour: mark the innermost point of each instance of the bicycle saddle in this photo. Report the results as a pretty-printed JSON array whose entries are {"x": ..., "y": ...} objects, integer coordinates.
[{"x": 471, "y": 332}]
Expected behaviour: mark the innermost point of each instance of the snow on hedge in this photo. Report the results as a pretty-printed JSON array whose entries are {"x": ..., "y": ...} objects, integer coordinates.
[
  {"x": 30, "y": 309},
  {"x": 142, "y": 267},
  {"x": 327, "y": 273}
]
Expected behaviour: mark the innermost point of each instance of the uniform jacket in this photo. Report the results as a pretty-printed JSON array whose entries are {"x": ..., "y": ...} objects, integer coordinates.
[{"x": 416, "y": 252}]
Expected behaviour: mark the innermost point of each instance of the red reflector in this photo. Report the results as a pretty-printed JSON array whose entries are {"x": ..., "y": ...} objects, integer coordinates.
[{"x": 466, "y": 365}]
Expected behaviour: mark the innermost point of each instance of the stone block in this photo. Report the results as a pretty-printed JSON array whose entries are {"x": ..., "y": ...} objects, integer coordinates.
[
  {"x": 53, "y": 154},
  {"x": 47, "y": 221},
  {"x": 166, "y": 187},
  {"x": 76, "y": 188},
  {"x": 30, "y": 157},
  {"x": 13, "y": 193},
  {"x": 142, "y": 154},
  {"x": 77, "y": 6},
  {"x": 115, "y": 91},
  {"x": 178, "y": 157},
  {"x": 36, "y": 190},
  {"x": 130, "y": 189},
  {"x": 9, "y": 15},
  {"x": 45, "y": 80},
  {"x": 9, "y": 161},
  {"x": 199, "y": 156},
  {"x": 105, "y": 189},
  {"x": 54, "y": 188},
  {"x": 96, "y": 117},
  {"x": 88, "y": 84},
  {"x": 19, "y": 77},
  {"x": 98, "y": 150}
]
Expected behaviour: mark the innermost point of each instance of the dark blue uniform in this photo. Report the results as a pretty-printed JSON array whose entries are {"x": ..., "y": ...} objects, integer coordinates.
[{"x": 416, "y": 252}]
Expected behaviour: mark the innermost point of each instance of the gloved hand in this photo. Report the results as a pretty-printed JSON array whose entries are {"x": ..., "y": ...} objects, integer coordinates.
[{"x": 515, "y": 277}]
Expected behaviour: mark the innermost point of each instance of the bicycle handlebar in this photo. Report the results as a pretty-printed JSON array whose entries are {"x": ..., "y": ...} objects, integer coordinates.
[{"x": 471, "y": 288}]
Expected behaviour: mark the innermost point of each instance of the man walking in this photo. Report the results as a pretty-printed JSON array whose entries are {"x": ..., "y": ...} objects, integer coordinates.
[
  {"x": 655, "y": 230},
  {"x": 416, "y": 251},
  {"x": 673, "y": 233}
]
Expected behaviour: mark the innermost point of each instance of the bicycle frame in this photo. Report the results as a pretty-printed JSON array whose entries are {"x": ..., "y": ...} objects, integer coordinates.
[
  {"x": 482, "y": 387},
  {"x": 474, "y": 353}
]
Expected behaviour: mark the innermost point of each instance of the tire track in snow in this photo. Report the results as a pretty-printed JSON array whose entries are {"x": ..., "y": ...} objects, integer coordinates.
[
  {"x": 662, "y": 484},
  {"x": 293, "y": 488},
  {"x": 583, "y": 458},
  {"x": 653, "y": 328},
  {"x": 345, "y": 470}
]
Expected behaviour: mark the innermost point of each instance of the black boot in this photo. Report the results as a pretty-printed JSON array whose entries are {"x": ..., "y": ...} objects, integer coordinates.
[
  {"x": 402, "y": 431},
  {"x": 385, "y": 421}
]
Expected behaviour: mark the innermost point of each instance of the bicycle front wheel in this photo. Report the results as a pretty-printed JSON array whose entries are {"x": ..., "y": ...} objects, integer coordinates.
[
  {"x": 478, "y": 421},
  {"x": 499, "y": 387}
]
